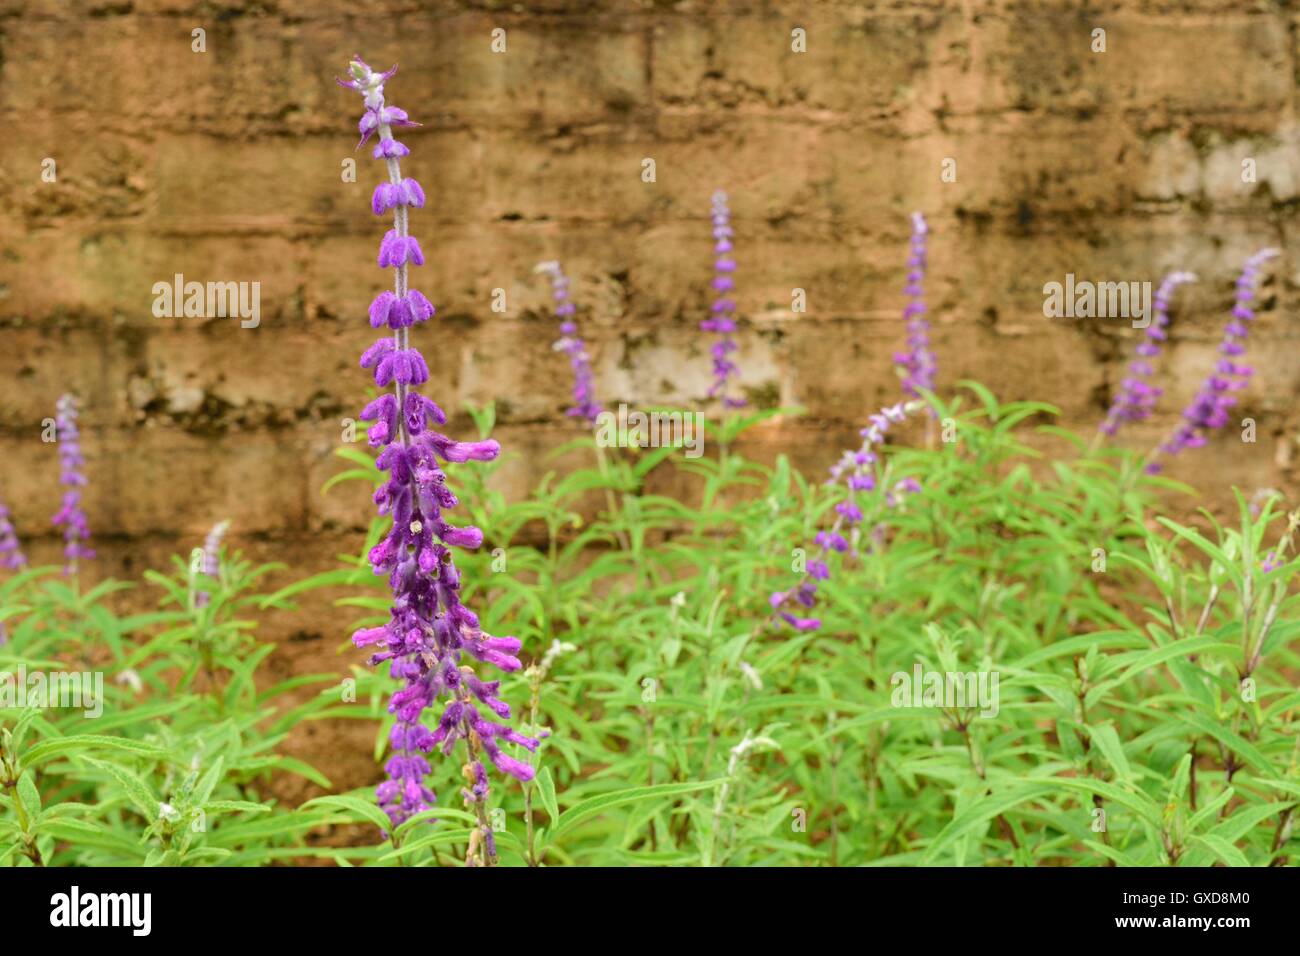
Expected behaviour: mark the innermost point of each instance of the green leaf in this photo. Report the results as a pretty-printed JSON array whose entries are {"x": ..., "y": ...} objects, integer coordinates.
[
  {"x": 204, "y": 854},
  {"x": 136, "y": 789},
  {"x": 357, "y": 808},
  {"x": 1222, "y": 849},
  {"x": 437, "y": 838},
  {"x": 1247, "y": 819},
  {"x": 48, "y": 749},
  {"x": 208, "y": 782},
  {"x": 977, "y": 815},
  {"x": 235, "y": 806},
  {"x": 1107, "y": 741},
  {"x": 586, "y": 809},
  {"x": 29, "y": 795},
  {"x": 1234, "y": 742},
  {"x": 437, "y": 813},
  {"x": 1141, "y": 804},
  {"x": 1205, "y": 546},
  {"x": 546, "y": 789},
  {"x": 1184, "y": 648}
]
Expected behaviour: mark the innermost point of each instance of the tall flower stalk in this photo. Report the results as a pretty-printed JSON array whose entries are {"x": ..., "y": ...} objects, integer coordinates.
[
  {"x": 722, "y": 318},
  {"x": 1137, "y": 397},
  {"x": 429, "y": 630},
  {"x": 585, "y": 406},
  {"x": 71, "y": 516},
  {"x": 1208, "y": 409},
  {"x": 917, "y": 365}
]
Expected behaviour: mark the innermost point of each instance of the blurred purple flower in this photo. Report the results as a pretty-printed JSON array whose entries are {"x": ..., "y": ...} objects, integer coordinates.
[
  {"x": 1209, "y": 408},
  {"x": 916, "y": 365},
  {"x": 722, "y": 318},
  {"x": 571, "y": 344},
  {"x": 1137, "y": 397},
  {"x": 71, "y": 463},
  {"x": 11, "y": 553}
]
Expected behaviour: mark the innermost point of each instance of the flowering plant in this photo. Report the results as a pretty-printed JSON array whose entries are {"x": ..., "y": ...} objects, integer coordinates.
[{"x": 430, "y": 632}]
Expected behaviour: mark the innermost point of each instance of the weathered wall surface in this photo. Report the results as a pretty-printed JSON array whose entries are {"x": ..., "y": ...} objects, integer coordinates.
[{"x": 225, "y": 165}]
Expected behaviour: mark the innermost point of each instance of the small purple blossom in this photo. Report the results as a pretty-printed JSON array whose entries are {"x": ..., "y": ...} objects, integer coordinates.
[
  {"x": 722, "y": 318},
  {"x": 859, "y": 471},
  {"x": 210, "y": 559},
  {"x": 902, "y": 488},
  {"x": 429, "y": 632},
  {"x": 916, "y": 365},
  {"x": 71, "y": 463},
  {"x": 571, "y": 344},
  {"x": 11, "y": 552},
  {"x": 1137, "y": 396},
  {"x": 1208, "y": 409}
]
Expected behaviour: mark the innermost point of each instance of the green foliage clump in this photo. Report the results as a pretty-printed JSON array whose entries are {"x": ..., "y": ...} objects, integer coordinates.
[{"x": 1023, "y": 664}]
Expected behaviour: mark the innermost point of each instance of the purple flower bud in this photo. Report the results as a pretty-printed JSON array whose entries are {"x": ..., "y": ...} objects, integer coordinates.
[
  {"x": 412, "y": 194},
  {"x": 389, "y": 149},
  {"x": 468, "y": 537},
  {"x": 384, "y": 198},
  {"x": 508, "y": 764},
  {"x": 466, "y": 451},
  {"x": 398, "y": 250},
  {"x": 370, "y": 635},
  {"x": 380, "y": 308}
]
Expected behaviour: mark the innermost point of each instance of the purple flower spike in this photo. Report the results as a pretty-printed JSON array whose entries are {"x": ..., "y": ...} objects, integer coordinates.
[
  {"x": 73, "y": 519},
  {"x": 722, "y": 319},
  {"x": 571, "y": 344},
  {"x": 11, "y": 552},
  {"x": 916, "y": 365},
  {"x": 1137, "y": 396},
  {"x": 859, "y": 471},
  {"x": 429, "y": 632},
  {"x": 1208, "y": 409}
]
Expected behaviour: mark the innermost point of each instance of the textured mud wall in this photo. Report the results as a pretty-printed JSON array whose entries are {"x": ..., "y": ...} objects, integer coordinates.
[{"x": 225, "y": 165}]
